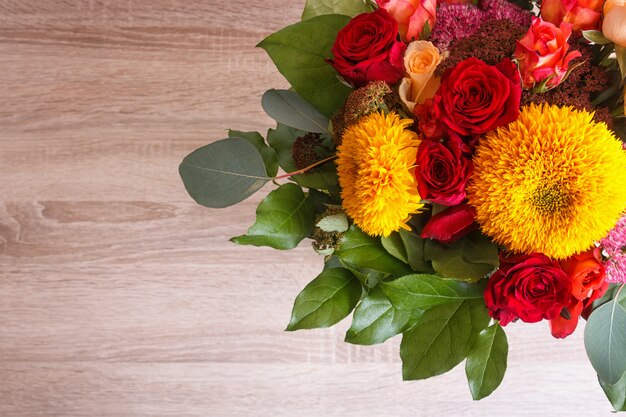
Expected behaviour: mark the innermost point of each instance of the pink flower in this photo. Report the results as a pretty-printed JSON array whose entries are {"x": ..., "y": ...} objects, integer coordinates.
[
  {"x": 582, "y": 14},
  {"x": 504, "y": 9},
  {"x": 455, "y": 21},
  {"x": 412, "y": 16},
  {"x": 543, "y": 53},
  {"x": 614, "y": 245}
]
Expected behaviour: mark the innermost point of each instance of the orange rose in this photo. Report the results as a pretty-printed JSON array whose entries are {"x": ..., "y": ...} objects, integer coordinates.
[
  {"x": 412, "y": 16},
  {"x": 587, "y": 274},
  {"x": 582, "y": 14},
  {"x": 586, "y": 271},
  {"x": 543, "y": 53},
  {"x": 420, "y": 61}
]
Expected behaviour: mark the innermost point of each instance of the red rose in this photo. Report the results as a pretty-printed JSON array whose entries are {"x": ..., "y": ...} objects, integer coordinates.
[
  {"x": 560, "y": 326},
  {"x": 451, "y": 224},
  {"x": 475, "y": 98},
  {"x": 443, "y": 170},
  {"x": 528, "y": 287},
  {"x": 368, "y": 49}
]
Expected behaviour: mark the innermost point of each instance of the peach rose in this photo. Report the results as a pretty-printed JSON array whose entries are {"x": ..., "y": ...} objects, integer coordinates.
[
  {"x": 412, "y": 16},
  {"x": 582, "y": 14},
  {"x": 420, "y": 61},
  {"x": 614, "y": 25},
  {"x": 609, "y": 4},
  {"x": 543, "y": 53}
]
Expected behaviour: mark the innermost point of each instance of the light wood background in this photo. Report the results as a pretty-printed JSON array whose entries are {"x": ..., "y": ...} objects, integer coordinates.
[{"x": 120, "y": 297}]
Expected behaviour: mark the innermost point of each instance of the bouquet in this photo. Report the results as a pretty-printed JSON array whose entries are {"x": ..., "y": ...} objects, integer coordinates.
[{"x": 459, "y": 165}]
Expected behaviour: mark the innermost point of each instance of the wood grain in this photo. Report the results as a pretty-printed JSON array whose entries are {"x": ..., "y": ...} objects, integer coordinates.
[{"x": 120, "y": 297}]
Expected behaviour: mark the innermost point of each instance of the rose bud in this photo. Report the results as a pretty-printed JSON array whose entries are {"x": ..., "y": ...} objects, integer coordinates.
[
  {"x": 561, "y": 326},
  {"x": 443, "y": 170},
  {"x": 420, "y": 61},
  {"x": 427, "y": 122},
  {"x": 475, "y": 97},
  {"x": 451, "y": 224},
  {"x": 581, "y": 14},
  {"x": 543, "y": 53},
  {"x": 367, "y": 49},
  {"x": 529, "y": 287},
  {"x": 412, "y": 16}
]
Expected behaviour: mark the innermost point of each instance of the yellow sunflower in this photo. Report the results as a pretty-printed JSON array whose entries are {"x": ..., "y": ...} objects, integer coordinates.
[
  {"x": 554, "y": 181},
  {"x": 375, "y": 165}
]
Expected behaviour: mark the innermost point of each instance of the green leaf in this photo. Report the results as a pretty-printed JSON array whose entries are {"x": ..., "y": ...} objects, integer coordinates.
[
  {"x": 283, "y": 219},
  {"x": 322, "y": 178},
  {"x": 394, "y": 245},
  {"x": 605, "y": 341},
  {"x": 368, "y": 278},
  {"x": 346, "y": 7},
  {"x": 415, "y": 249},
  {"x": 376, "y": 320},
  {"x": 426, "y": 291},
  {"x": 468, "y": 259},
  {"x": 620, "y": 54},
  {"x": 441, "y": 338},
  {"x": 326, "y": 301},
  {"x": 359, "y": 249},
  {"x": 607, "y": 297},
  {"x": 334, "y": 223},
  {"x": 268, "y": 154},
  {"x": 223, "y": 173},
  {"x": 616, "y": 393},
  {"x": 300, "y": 51},
  {"x": 288, "y": 108},
  {"x": 595, "y": 36},
  {"x": 486, "y": 362}
]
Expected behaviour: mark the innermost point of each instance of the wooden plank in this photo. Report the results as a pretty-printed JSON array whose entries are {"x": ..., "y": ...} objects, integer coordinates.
[
  {"x": 131, "y": 86},
  {"x": 282, "y": 390}
]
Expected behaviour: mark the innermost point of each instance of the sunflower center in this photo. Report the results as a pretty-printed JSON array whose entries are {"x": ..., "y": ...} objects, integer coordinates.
[{"x": 549, "y": 198}]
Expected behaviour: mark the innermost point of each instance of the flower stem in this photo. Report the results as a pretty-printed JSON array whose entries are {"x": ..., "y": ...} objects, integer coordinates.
[{"x": 303, "y": 170}]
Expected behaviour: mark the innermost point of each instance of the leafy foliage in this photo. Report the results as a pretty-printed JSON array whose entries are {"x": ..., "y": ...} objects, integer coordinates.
[
  {"x": 289, "y": 108},
  {"x": 616, "y": 393},
  {"x": 283, "y": 219},
  {"x": 426, "y": 291},
  {"x": 441, "y": 338},
  {"x": 300, "y": 51},
  {"x": 486, "y": 362},
  {"x": 470, "y": 258},
  {"x": 376, "y": 320},
  {"x": 314, "y": 8},
  {"x": 268, "y": 154},
  {"x": 605, "y": 339},
  {"x": 223, "y": 173},
  {"x": 326, "y": 301},
  {"x": 365, "y": 251}
]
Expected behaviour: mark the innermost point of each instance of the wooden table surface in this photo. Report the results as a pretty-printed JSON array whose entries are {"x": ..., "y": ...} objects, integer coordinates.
[{"x": 120, "y": 297}]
